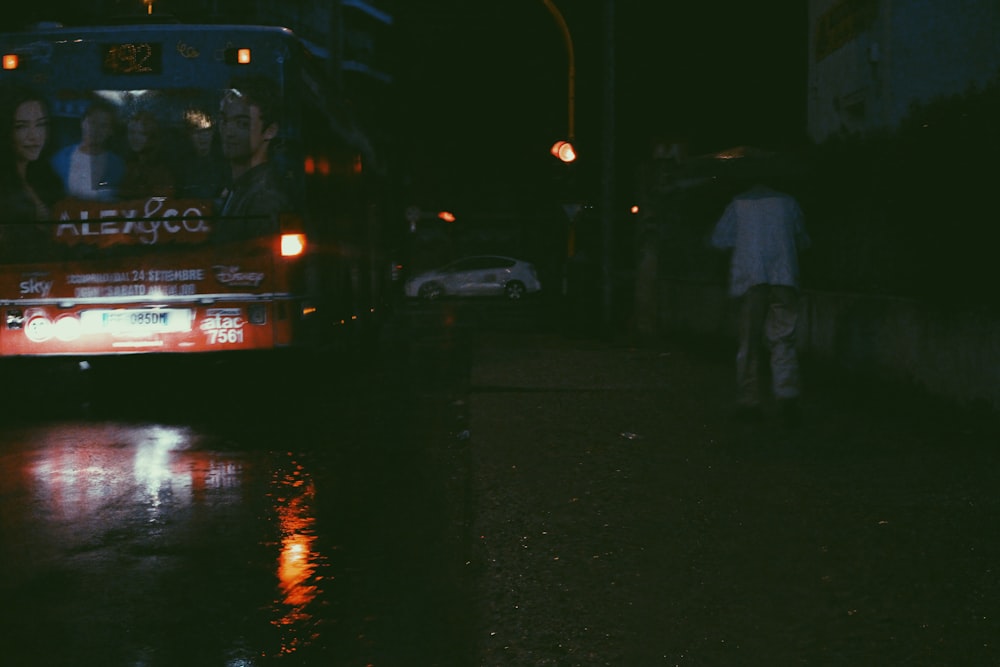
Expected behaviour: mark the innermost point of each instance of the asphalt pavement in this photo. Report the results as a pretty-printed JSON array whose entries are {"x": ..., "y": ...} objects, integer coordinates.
[{"x": 621, "y": 516}]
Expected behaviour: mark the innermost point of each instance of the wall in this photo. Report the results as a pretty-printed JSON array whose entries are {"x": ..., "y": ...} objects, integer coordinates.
[
  {"x": 870, "y": 60},
  {"x": 951, "y": 355}
]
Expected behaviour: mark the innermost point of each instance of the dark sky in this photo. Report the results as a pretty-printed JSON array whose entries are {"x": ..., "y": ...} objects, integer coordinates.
[{"x": 485, "y": 84}]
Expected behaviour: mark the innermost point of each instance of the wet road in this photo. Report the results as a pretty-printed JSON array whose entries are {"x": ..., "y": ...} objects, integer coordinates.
[
  {"x": 624, "y": 518},
  {"x": 198, "y": 516},
  {"x": 479, "y": 499}
]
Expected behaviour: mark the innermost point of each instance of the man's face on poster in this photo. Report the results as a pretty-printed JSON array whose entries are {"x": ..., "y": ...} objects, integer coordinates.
[{"x": 244, "y": 137}]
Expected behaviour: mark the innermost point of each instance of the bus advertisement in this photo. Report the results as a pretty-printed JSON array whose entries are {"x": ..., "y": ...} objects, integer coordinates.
[{"x": 179, "y": 188}]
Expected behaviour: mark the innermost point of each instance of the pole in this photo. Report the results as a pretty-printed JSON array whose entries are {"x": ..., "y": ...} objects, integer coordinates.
[
  {"x": 571, "y": 74},
  {"x": 608, "y": 167}
]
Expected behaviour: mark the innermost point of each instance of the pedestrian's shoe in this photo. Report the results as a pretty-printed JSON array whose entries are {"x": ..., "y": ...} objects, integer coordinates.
[{"x": 791, "y": 413}]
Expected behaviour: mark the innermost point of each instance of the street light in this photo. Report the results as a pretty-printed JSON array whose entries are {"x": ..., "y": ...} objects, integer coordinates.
[{"x": 564, "y": 149}]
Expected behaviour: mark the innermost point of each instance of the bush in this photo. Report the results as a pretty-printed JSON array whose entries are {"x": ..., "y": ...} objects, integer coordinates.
[{"x": 909, "y": 213}]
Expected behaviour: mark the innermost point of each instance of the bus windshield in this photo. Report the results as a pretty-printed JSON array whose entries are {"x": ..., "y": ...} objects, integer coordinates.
[
  {"x": 113, "y": 145},
  {"x": 164, "y": 113},
  {"x": 135, "y": 152}
]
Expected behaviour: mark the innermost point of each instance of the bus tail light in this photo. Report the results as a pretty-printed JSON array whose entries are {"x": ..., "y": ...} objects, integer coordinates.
[
  {"x": 10, "y": 61},
  {"x": 293, "y": 244},
  {"x": 293, "y": 240}
]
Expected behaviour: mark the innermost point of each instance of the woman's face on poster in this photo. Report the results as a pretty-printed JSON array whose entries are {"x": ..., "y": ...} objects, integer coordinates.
[{"x": 31, "y": 130}]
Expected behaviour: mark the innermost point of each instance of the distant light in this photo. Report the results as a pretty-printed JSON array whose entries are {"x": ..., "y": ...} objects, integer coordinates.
[
  {"x": 564, "y": 151},
  {"x": 634, "y": 209},
  {"x": 10, "y": 61},
  {"x": 447, "y": 216},
  {"x": 243, "y": 56}
]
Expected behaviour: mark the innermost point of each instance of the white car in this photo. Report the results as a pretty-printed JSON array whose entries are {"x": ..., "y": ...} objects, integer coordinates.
[{"x": 482, "y": 275}]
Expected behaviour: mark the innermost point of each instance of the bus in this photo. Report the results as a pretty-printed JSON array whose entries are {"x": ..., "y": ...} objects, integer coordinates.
[{"x": 210, "y": 192}]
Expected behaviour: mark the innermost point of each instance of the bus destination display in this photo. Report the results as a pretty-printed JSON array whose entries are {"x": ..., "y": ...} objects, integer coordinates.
[{"x": 132, "y": 58}]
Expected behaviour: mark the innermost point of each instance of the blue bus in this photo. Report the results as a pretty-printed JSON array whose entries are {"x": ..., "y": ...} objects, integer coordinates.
[{"x": 183, "y": 189}]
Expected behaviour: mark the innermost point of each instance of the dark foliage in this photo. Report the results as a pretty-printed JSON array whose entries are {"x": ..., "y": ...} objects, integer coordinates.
[{"x": 910, "y": 213}]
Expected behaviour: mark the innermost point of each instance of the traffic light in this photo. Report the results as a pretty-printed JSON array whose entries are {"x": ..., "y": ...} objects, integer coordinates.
[{"x": 564, "y": 151}]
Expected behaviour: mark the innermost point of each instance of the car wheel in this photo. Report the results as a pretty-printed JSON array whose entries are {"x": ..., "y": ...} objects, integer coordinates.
[
  {"x": 514, "y": 290},
  {"x": 431, "y": 291}
]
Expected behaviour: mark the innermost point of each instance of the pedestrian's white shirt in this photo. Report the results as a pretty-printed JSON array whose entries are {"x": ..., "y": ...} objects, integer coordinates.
[{"x": 764, "y": 229}]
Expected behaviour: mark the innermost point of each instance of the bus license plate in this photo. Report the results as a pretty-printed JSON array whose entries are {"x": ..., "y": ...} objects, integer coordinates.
[{"x": 160, "y": 320}]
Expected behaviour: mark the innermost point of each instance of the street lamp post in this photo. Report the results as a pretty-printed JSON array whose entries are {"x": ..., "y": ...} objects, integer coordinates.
[
  {"x": 564, "y": 150},
  {"x": 608, "y": 170}
]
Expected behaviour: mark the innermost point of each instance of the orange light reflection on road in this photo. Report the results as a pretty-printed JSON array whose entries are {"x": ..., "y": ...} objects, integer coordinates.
[
  {"x": 295, "y": 569},
  {"x": 298, "y": 561}
]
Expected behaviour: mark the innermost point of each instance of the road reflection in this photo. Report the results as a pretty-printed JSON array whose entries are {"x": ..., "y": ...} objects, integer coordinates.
[
  {"x": 327, "y": 534},
  {"x": 299, "y": 561},
  {"x": 78, "y": 469},
  {"x": 165, "y": 541}
]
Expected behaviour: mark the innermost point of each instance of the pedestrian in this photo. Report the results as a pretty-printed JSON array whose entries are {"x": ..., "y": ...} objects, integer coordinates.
[{"x": 763, "y": 228}]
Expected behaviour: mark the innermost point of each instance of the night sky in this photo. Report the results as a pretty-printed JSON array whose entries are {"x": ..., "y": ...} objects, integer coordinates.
[{"x": 484, "y": 85}]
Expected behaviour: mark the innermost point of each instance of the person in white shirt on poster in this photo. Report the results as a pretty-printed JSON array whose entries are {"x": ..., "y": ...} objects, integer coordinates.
[{"x": 90, "y": 169}]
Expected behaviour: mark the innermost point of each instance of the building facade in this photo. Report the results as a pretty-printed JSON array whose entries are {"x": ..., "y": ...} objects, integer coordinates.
[{"x": 871, "y": 60}]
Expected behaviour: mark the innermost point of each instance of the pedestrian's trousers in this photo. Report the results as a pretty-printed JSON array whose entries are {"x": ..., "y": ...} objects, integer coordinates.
[{"x": 767, "y": 323}]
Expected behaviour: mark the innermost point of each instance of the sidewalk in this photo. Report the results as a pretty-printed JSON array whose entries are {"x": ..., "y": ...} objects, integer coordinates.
[{"x": 622, "y": 519}]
